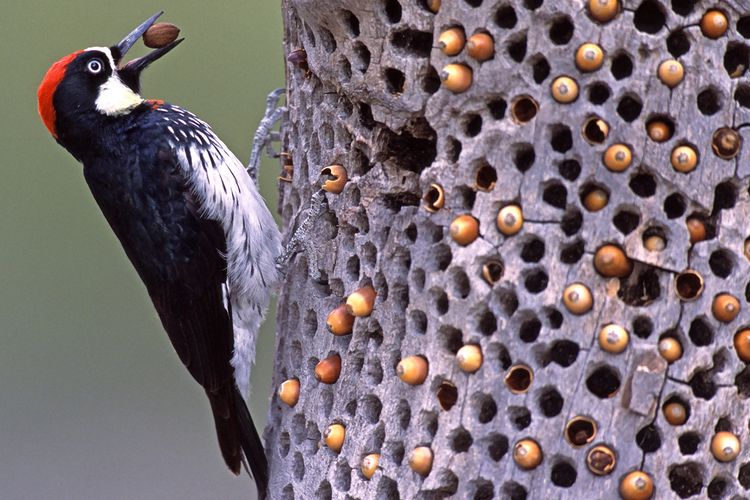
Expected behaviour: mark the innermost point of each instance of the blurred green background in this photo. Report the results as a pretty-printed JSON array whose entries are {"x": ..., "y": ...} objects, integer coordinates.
[{"x": 94, "y": 404}]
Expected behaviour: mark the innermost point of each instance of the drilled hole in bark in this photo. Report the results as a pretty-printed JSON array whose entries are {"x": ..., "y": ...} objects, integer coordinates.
[
  {"x": 572, "y": 253},
  {"x": 561, "y": 138},
  {"x": 648, "y": 439},
  {"x": 571, "y": 222},
  {"x": 507, "y": 300},
  {"x": 721, "y": 263},
  {"x": 717, "y": 488},
  {"x": 519, "y": 416},
  {"x": 532, "y": 4},
  {"x": 351, "y": 23},
  {"x": 742, "y": 95},
  {"x": 284, "y": 444},
  {"x": 342, "y": 476},
  {"x": 724, "y": 424},
  {"x": 622, "y": 66},
  {"x": 550, "y": 402},
  {"x": 486, "y": 322},
  {"x": 686, "y": 480},
  {"x": 517, "y": 48},
  {"x": 736, "y": 59},
  {"x": 725, "y": 196},
  {"x": 744, "y": 476},
  {"x": 523, "y": 109},
  {"x": 451, "y": 338},
  {"x": 298, "y": 467},
  {"x": 431, "y": 80},
  {"x": 555, "y": 195},
  {"x": 689, "y": 442},
  {"x": 561, "y": 30},
  {"x": 486, "y": 178},
  {"x": 518, "y": 379},
  {"x": 678, "y": 43},
  {"x": 640, "y": 288},
  {"x": 392, "y": 11},
  {"x": 643, "y": 185},
  {"x": 523, "y": 156},
  {"x": 361, "y": 60},
  {"x": 709, "y": 101},
  {"x": 629, "y": 108},
  {"x": 595, "y": 130},
  {"x": 563, "y": 475},
  {"x": 287, "y": 492},
  {"x": 460, "y": 440},
  {"x": 599, "y": 93},
  {"x": 403, "y": 414},
  {"x": 505, "y": 17},
  {"x": 344, "y": 69},
  {"x": 540, "y": 69},
  {"x": 703, "y": 385},
  {"x": 497, "y": 446},
  {"x": 327, "y": 40},
  {"x": 626, "y": 221},
  {"x": 683, "y": 7},
  {"x": 563, "y": 352},
  {"x": 474, "y": 3},
  {"x": 439, "y": 300},
  {"x": 418, "y": 43},
  {"x": 453, "y": 149},
  {"x": 649, "y": 17},
  {"x": 742, "y": 381},
  {"x": 418, "y": 279},
  {"x": 447, "y": 395},
  {"x": 529, "y": 330},
  {"x": 603, "y": 382},
  {"x": 497, "y": 108},
  {"x": 674, "y": 206},
  {"x": 533, "y": 250},
  {"x": 473, "y": 125},
  {"x": 580, "y": 431},
  {"x": 484, "y": 407},
  {"x": 569, "y": 169},
  {"x": 554, "y": 318},
  {"x": 481, "y": 489},
  {"x": 514, "y": 491}
]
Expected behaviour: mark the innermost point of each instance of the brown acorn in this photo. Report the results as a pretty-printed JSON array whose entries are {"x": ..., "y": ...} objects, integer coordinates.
[
  {"x": 456, "y": 77},
  {"x": 369, "y": 465},
  {"x": 160, "y": 35},
  {"x": 714, "y": 24},
  {"x": 595, "y": 199},
  {"x": 334, "y": 437},
  {"x": 480, "y": 46},
  {"x": 510, "y": 220},
  {"x": 577, "y": 298},
  {"x": 420, "y": 460},
  {"x": 671, "y": 72},
  {"x": 464, "y": 229},
  {"x": 335, "y": 178},
  {"x": 564, "y": 89},
  {"x": 613, "y": 338},
  {"x": 289, "y": 391},
  {"x": 670, "y": 349},
  {"x": 636, "y": 485},
  {"x": 360, "y": 302},
  {"x": 658, "y": 131},
  {"x": 433, "y": 5},
  {"x": 684, "y": 159},
  {"x": 589, "y": 57},
  {"x": 469, "y": 358},
  {"x": 340, "y": 321},
  {"x": 603, "y": 10},
  {"x": 696, "y": 229},
  {"x": 725, "y": 446},
  {"x": 675, "y": 413},
  {"x": 412, "y": 369},
  {"x": 527, "y": 454},
  {"x": 725, "y": 307},
  {"x": 617, "y": 157},
  {"x": 329, "y": 369},
  {"x": 742, "y": 344},
  {"x": 451, "y": 41},
  {"x": 611, "y": 262}
]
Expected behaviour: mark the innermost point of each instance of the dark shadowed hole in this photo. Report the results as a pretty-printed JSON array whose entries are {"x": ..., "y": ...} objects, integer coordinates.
[
  {"x": 514, "y": 491},
  {"x": 742, "y": 95},
  {"x": 736, "y": 59},
  {"x": 519, "y": 416},
  {"x": 351, "y": 22},
  {"x": 532, "y": 4},
  {"x": 642, "y": 326},
  {"x": 497, "y": 108},
  {"x": 595, "y": 130},
  {"x": 533, "y": 250},
  {"x": 563, "y": 352},
  {"x": 709, "y": 101},
  {"x": 572, "y": 253},
  {"x": 626, "y": 221},
  {"x": 361, "y": 60},
  {"x": 599, "y": 93},
  {"x": 721, "y": 263},
  {"x": 700, "y": 333},
  {"x": 523, "y": 156},
  {"x": 725, "y": 196},
  {"x": 483, "y": 489},
  {"x": 603, "y": 382},
  {"x": 392, "y": 11},
  {"x": 550, "y": 402},
  {"x": 649, "y": 17},
  {"x": 451, "y": 338},
  {"x": 563, "y": 474},
  {"x": 643, "y": 185},
  {"x": 724, "y": 424},
  {"x": 474, "y": 3},
  {"x": 641, "y": 288},
  {"x": 674, "y": 206},
  {"x": 540, "y": 69},
  {"x": 485, "y": 407},
  {"x": 517, "y": 48},
  {"x": 447, "y": 395},
  {"x": 497, "y": 446},
  {"x": 486, "y": 178},
  {"x": 561, "y": 31},
  {"x": 683, "y": 7},
  {"x": 648, "y": 439},
  {"x": 508, "y": 301},
  {"x": 394, "y": 80},
  {"x": 418, "y": 43},
  {"x": 686, "y": 480},
  {"x": 678, "y": 43},
  {"x": 742, "y": 381},
  {"x": 569, "y": 169},
  {"x": 473, "y": 125},
  {"x": 689, "y": 442},
  {"x": 487, "y": 322},
  {"x": 555, "y": 195},
  {"x": 529, "y": 330},
  {"x": 561, "y": 138},
  {"x": 743, "y": 26},
  {"x": 571, "y": 222},
  {"x": 555, "y": 318},
  {"x": 703, "y": 385},
  {"x": 505, "y": 17},
  {"x": 717, "y": 488},
  {"x": 629, "y": 108},
  {"x": 460, "y": 440},
  {"x": 431, "y": 81},
  {"x": 744, "y": 476},
  {"x": 453, "y": 149},
  {"x": 622, "y": 66}
]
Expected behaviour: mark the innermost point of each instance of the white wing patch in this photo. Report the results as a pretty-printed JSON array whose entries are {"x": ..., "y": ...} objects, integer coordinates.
[{"x": 227, "y": 194}]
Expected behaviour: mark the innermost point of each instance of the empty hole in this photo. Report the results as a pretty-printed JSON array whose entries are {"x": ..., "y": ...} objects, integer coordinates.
[
  {"x": 629, "y": 108},
  {"x": 514, "y": 491},
  {"x": 563, "y": 352},
  {"x": 501, "y": 354},
  {"x": 744, "y": 476},
  {"x": 561, "y": 138},
  {"x": 626, "y": 221},
  {"x": 460, "y": 286},
  {"x": 686, "y": 480},
  {"x": 743, "y": 26},
  {"x": 683, "y": 7},
  {"x": 517, "y": 48},
  {"x": 717, "y": 488},
  {"x": 556, "y": 195},
  {"x": 453, "y": 149},
  {"x": 702, "y": 384},
  {"x": 674, "y": 206},
  {"x": 725, "y": 196},
  {"x": 532, "y": 4},
  {"x": 474, "y": 3},
  {"x": 561, "y": 31},
  {"x": 431, "y": 81},
  {"x": 700, "y": 333},
  {"x": 721, "y": 263},
  {"x": 640, "y": 288},
  {"x": 413, "y": 41},
  {"x": 689, "y": 442},
  {"x": 742, "y": 94},
  {"x": 519, "y": 416},
  {"x": 555, "y": 318},
  {"x": 622, "y": 66},
  {"x": 497, "y": 446},
  {"x": 571, "y": 222},
  {"x": 595, "y": 130},
  {"x": 327, "y": 40},
  {"x": 505, "y": 17},
  {"x": 486, "y": 178},
  {"x": 439, "y": 300},
  {"x": 508, "y": 301},
  {"x": 678, "y": 43},
  {"x": 598, "y": 93},
  {"x": 550, "y": 402},
  {"x": 709, "y": 101},
  {"x": 497, "y": 108},
  {"x": 473, "y": 125},
  {"x": 529, "y": 330},
  {"x": 736, "y": 59},
  {"x": 482, "y": 488},
  {"x": 649, "y": 17},
  {"x": 642, "y": 326},
  {"x": 395, "y": 80},
  {"x": 688, "y": 284},
  {"x": 723, "y": 425},
  {"x": 361, "y": 59},
  {"x": 519, "y": 379},
  {"x": 742, "y": 381},
  {"x": 533, "y": 250},
  {"x": 460, "y": 440},
  {"x": 524, "y": 109},
  {"x": 447, "y": 395},
  {"x": 523, "y": 156},
  {"x": 643, "y": 185},
  {"x": 351, "y": 22},
  {"x": 569, "y": 169},
  {"x": 563, "y": 475},
  {"x": 467, "y": 196},
  {"x": 484, "y": 406},
  {"x": 603, "y": 382},
  {"x": 486, "y": 322},
  {"x": 648, "y": 439},
  {"x": 371, "y": 408},
  {"x": 536, "y": 280},
  {"x": 540, "y": 69},
  {"x": 392, "y": 11},
  {"x": 418, "y": 322}
]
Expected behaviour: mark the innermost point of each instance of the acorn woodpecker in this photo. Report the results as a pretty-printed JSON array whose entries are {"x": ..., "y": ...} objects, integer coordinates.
[{"x": 188, "y": 215}]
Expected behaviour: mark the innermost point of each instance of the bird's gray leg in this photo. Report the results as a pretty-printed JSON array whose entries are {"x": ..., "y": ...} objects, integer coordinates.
[
  {"x": 264, "y": 134},
  {"x": 301, "y": 241}
]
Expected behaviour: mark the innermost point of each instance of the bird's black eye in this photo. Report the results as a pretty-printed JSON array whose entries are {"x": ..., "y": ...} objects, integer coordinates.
[{"x": 94, "y": 66}]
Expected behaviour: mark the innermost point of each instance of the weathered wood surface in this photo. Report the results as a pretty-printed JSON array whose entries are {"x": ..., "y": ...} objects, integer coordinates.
[{"x": 396, "y": 138}]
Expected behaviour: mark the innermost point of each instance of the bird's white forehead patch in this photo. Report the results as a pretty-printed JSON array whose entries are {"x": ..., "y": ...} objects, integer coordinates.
[{"x": 115, "y": 98}]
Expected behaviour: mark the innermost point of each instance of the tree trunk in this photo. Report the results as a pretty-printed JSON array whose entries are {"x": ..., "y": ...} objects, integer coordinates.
[{"x": 369, "y": 97}]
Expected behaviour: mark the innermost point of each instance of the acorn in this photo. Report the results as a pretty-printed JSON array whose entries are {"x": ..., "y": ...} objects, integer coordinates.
[
  {"x": 714, "y": 24},
  {"x": 595, "y": 200},
  {"x": 335, "y": 178},
  {"x": 742, "y": 344},
  {"x": 434, "y": 198},
  {"x": 601, "y": 460},
  {"x": 334, "y": 437},
  {"x": 725, "y": 446},
  {"x": 613, "y": 338},
  {"x": 654, "y": 243},
  {"x": 519, "y": 378},
  {"x": 675, "y": 413},
  {"x": 510, "y": 220},
  {"x": 636, "y": 485},
  {"x": 527, "y": 454},
  {"x": 420, "y": 460},
  {"x": 523, "y": 109},
  {"x": 160, "y": 35},
  {"x": 684, "y": 159},
  {"x": 611, "y": 262},
  {"x": 464, "y": 229},
  {"x": 580, "y": 431},
  {"x": 456, "y": 77},
  {"x": 360, "y": 302},
  {"x": 492, "y": 271},
  {"x": 433, "y": 5},
  {"x": 617, "y": 157},
  {"x": 480, "y": 46},
  {"x": 688, "y": 285},
  {"x": 451, "y": 41},
  {"x": 725, "y": 307},
  {"x": 670, "y": 349},
  {"x": 603, "y": 10},
  {"x": 469, "y": 358},
  {"x": 369, "y": 465},
  {"x": 658, "y": 131},
  {"x": 589, "y": 57},
  {"x": 670, "y": 72},
  {"x": 564, "y": 89},
  {"x": 725, "y": 143},
  {"x": 340, "y": 321},
  {"x": 696, "y": 229},
  {"x": 328, "y": 370},
  {"x": 289, "y": 391},
  {"x": 412, "y": 370},
  {"x": 577, "y": 298}
]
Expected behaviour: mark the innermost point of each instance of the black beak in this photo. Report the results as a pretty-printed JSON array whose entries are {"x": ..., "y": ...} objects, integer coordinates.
[{"x": 130, "y": 72}]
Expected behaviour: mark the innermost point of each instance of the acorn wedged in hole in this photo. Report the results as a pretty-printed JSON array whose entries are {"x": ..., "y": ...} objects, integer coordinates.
[
  {"x": 714, "y": 24},
  {"x": 688, "y": 285},
  {"x": 456, "y": 77},
  {"x": 340, "y": 321},
  {"x": 684, "y": 158},
  {"x": 289, "y": 391},
  {"x": 412, "y": 370},
  {"x": 564, "y": 89},
  {"x": 577, "y": 298},
  {"x": 670, "y": 349},
  {"x": 335, "y": 178},
  {"x": 589, "y": 57},
  {"x": 696, "y": 229},
  {"x": 601, "y": 460},
  {"x": 480, "y": 46},
  {"x": 464, "y": 229},
  {"x": 613, "y": 338},
  {"x": 725, "y": 143},
  {"x": 610, "y": 261},
  {"x": 433, "y": 5},
  {"x": 451, "y": 41},
  {"x": 420, "y": 460},
  {"x": 434, "y": 198},
  {"x": 510, "y": 220},
  {"x": 636, "y": 485},
  {"x": 527, "y": 454},
  {"x": 369, "y": 465},
  {"x": 725, "y": 446},
  {"x": 725, "y": 307},
  {"x": 742, "y": 344},
  {"x": 328, "y": 370},
  {"x": 160, "y": 35},
  {"x": 603, "y": 10},
  {"x": 617, "y": 157},
  {"x": 595, "y": 200},
  {"x": 658, "y": 131},
  {"x": 469, "y": 358},
  {"x": 675, "y": 413},
  {"x": 334, "y": 437},
  {"x": 360, "y": 302},
  {"x": 670, "y": 72}
]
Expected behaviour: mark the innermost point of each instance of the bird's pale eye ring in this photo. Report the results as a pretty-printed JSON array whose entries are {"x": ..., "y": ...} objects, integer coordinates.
[{"x": 94, "y": 66}]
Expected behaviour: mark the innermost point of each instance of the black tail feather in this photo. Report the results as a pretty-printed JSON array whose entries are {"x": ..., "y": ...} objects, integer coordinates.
[{"x": 252, "y": 446}]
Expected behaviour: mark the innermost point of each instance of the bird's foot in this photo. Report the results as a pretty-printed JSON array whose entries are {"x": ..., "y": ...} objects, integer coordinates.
[
  {"x": 301, "y": 241},
  {"x": 265, "y": 136}
]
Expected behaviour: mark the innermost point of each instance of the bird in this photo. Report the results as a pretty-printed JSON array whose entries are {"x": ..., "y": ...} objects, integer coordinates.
[{"x": 188, "y": 215}]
